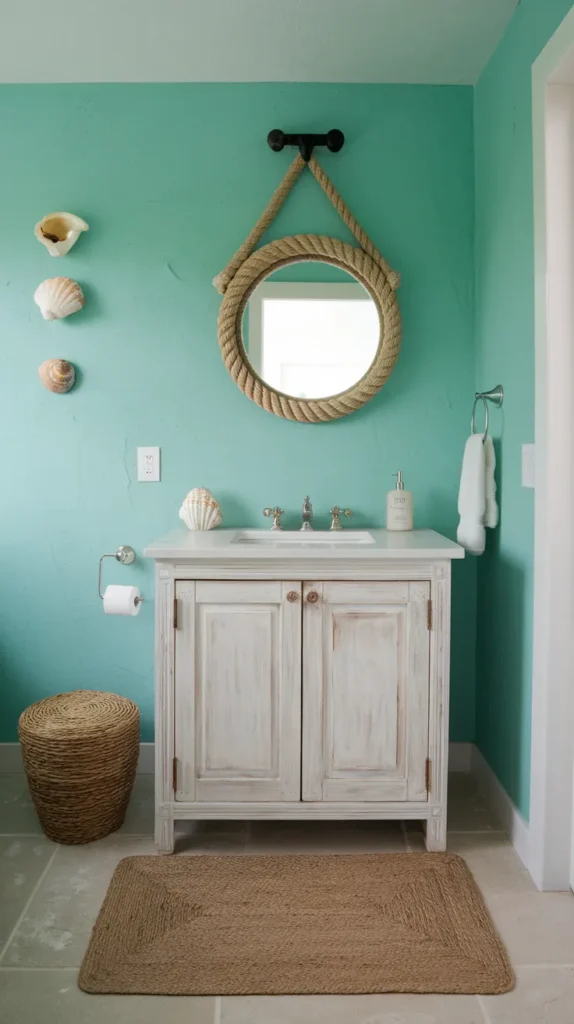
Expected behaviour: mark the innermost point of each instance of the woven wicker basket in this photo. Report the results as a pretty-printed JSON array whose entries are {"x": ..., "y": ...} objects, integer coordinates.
[{"x": 80, "y": 752}]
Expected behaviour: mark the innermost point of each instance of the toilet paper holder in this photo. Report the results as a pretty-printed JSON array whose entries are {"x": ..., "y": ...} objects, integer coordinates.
[{"x": 124, "y": 554}]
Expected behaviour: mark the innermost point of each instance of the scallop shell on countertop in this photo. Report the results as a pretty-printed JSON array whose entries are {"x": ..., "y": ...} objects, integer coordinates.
[
  {"x": 57, "y": 375},
  {"x": 59, "y": 297},
  {"x": 200, "y": 511},
  {"x": 59, "y": 232}
]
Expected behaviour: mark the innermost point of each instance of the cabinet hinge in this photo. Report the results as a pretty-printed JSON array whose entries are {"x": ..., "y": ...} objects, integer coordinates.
[
  {"x": 429, "y": 614},
  {"x": 175, "y": 613},
  {"x": 428, "y": 774},
  {"x": 174, "y": 774}
]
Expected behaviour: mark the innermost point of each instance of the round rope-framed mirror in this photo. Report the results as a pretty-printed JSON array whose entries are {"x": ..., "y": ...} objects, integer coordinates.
[{"x": 368, "y": 351}]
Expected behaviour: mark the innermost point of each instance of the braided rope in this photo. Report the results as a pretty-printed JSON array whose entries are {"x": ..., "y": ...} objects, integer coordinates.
[
  {"x": 222, "y": 280},
  {"x": 250, "y": 265},
  {"x": 352, "y": 223},
  {"x": 297, "y": 249}
]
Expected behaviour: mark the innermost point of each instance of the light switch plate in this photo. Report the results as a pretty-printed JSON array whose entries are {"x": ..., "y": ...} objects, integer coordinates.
[
  {"x": 528, "y": 465},
  {"x": 149, "y": 465}
]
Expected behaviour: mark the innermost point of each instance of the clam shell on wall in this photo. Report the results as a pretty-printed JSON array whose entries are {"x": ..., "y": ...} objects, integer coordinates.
[
  {"x": 59, "y": 297},
  {"x": 59, "y": 232},
  {"x": 57, "y": 375},
  {"x": 200, "y": 510}
]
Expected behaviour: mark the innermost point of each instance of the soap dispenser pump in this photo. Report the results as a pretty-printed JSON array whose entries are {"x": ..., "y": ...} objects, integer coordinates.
[{"x": 399, "y": 506}]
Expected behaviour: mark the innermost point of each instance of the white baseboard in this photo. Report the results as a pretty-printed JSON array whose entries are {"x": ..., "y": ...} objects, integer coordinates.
[
  {"x": 463, "y": 757},
  {"x": 501, "y": 805},
  {"x": 460, "y": 758},
  {"x": 146, "y": 761}
]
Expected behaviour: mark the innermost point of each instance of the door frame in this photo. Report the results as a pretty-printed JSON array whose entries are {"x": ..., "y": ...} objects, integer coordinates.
[{"x": 551, "y": 828}]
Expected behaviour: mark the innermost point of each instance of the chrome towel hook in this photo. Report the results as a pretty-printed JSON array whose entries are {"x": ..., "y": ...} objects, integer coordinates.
[{"x": 496, "y": 396}]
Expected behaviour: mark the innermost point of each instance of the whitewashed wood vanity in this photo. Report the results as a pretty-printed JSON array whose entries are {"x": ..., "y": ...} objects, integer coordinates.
[{"x": 302, "y": 677}]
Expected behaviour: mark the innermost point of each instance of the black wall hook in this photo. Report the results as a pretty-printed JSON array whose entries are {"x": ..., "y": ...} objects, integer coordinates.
[{"x": 333, "y": 140}]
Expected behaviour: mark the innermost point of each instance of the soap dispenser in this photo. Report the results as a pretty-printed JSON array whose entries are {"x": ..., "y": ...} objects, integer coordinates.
[{"x": 399, "y": 506}]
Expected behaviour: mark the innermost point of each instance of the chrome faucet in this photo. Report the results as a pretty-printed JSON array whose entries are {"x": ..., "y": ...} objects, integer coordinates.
[
  {"x": 336, "y": 514},
  {"x": 307, "y": 514},
  {"x": 276, "y": 513}
]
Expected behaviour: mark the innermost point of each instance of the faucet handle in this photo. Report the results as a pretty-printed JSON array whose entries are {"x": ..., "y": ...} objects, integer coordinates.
[
  {"x": 336, "y": 512},
  {"x": 276, "y": 513}
]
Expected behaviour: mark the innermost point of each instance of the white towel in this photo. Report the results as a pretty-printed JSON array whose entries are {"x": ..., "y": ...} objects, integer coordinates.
[
  {"x": 472, "y": 496},
  {"x": 491, "y": 510}
]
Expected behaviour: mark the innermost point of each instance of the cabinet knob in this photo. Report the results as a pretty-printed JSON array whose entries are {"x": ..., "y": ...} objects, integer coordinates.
[
  {"x": 312, "y": 597},
  {"x": 292, "y": 596}
]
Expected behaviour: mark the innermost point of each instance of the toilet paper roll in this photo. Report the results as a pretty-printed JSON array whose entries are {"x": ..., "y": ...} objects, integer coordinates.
[{"x": 122, "y": 600}]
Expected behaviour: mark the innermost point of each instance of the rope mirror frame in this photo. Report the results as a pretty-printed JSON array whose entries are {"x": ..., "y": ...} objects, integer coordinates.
[
  {"x": 249, "y": 266},
  {"x": 303, "y": 249}
]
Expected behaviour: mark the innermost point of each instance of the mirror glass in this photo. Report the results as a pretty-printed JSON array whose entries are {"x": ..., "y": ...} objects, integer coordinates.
[{"x": 310, "y": 330}]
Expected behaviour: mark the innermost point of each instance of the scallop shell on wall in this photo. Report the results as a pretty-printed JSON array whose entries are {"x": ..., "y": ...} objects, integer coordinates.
[
  {"x": 59, "y": 297},
  {"x": 57, "y": 375},
  {"x": 200, "y": 510},
  {"x": 59, "y": 232}
]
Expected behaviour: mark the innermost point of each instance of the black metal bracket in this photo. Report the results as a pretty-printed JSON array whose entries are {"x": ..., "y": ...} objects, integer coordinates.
[{"x": 333, "y": 140}]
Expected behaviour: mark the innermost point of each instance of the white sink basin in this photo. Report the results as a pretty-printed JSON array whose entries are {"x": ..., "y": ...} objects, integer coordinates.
[{"x": 303, "y": 538}]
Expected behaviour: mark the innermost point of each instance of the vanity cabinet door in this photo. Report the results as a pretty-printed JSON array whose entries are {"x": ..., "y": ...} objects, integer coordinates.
[
  {"x": 238, "y": 691},
  {"x": 365, "y": 691}
]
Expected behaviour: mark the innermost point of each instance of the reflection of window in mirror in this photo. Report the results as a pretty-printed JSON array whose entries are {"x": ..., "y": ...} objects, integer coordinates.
[{"x": 309, "y": 339}]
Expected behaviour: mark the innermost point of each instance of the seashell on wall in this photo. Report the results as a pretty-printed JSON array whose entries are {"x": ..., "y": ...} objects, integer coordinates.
[
  {"x": 200, "y": 510},
  {"x": 59, "y": 297},
  {"x": 59, "y": 232},
  {"x": 57, "y": 375}
]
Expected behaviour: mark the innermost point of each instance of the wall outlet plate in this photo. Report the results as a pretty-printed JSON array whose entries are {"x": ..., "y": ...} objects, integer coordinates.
[
  {"x": 149, "y": 465},
  {"x": 528, "y": 465}
]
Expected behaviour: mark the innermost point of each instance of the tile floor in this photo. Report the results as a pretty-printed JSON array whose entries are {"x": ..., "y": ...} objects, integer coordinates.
[{"x": 50, "y": 895}]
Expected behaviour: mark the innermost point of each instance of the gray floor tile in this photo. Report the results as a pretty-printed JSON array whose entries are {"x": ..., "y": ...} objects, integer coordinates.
[
  {"x": 57, "y": 925},
  {"x": 53, "y": 997},
  {"x": 493, "y": 861},
  {"x": 17, "y": 814},
  {"x": 467, "y": 809},
  {"x": 197, "y": 837},
  {"x": 536, "y": 927},
  {"x": 389, "y": 1009},
  {"x": 325, "y": 837},
  {"x": 543, "y": 995},
  {"x": 139, "y": 820},
  {"x": 22, "y": 861}
]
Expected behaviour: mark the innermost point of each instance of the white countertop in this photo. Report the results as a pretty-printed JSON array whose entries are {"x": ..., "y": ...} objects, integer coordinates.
[{"x": 187, "y": 545}]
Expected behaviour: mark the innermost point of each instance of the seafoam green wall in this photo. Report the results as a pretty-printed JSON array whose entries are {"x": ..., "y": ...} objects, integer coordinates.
[
  {"x": 505, "y": 354},
  {"x": 170, "y": 179}
]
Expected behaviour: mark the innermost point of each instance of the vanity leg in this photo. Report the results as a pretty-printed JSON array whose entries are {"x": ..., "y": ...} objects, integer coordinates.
[
  {"x": 164, "y": 835},
  {"x": 435, "y": 831}
]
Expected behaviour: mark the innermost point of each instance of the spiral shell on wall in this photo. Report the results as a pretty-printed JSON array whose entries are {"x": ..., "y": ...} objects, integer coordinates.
[
  {"x": 57, "y": 375},
  {"x": 59, "y": 232},
  {"x": 59, "y": 297},
  {"x": 200, "y": 511}
]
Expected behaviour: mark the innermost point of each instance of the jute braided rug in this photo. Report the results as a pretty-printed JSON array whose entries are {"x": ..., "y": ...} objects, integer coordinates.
[{"x": 252, "y": 925}]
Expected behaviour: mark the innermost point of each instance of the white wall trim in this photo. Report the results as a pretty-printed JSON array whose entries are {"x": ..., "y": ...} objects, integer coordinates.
[
  {"x": 146, "y": 761},
  {"x": 463, "y": 757},
  {"x": 551, "y": 816},
  {"x": 501, "y": 805},
  {"x": 460, "y": 755}
]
